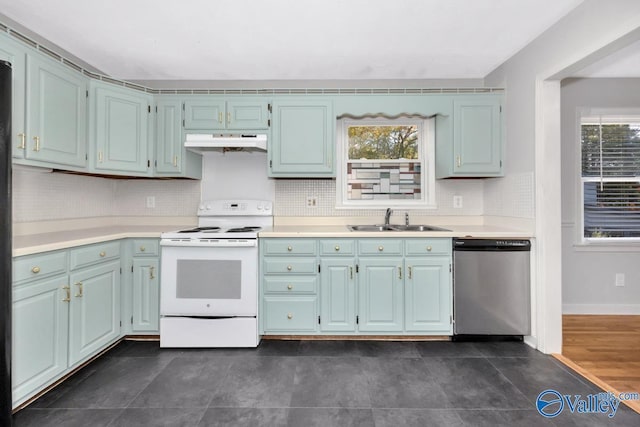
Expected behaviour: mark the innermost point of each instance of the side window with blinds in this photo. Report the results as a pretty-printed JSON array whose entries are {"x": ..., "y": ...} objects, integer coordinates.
[{"x": 611, "y": 176}]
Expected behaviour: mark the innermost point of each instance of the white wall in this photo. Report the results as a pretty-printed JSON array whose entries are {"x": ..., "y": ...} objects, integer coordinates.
[
  {"x": 588, "y": 274},
  {"x": 533, "y": 130}
]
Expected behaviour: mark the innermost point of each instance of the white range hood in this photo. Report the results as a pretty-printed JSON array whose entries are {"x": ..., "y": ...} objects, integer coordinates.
[{"x": 225, "y": 142}]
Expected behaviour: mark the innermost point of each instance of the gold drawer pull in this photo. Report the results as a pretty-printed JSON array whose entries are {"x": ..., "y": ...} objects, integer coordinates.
[
  {"x": 399, "y": 272},
  {"x": 289, "y": 267},
  {"x": 142, "y": 249},
  {"x": 289, "y": 316},
  {"x": 380, "y": 248},
  {"x": 428, "y": 248},
  {"x": 23, "y": 142},
  {"x": 290, "y": 287},
  {"x": 152, "y": 271},
  {"x": 228, "y": 117},
  {"x": 37, "y": 141},
  {"x": 409, "y": 271},
  {"x": 67, "y": 290},
  {"x": 79, "y": 285},
  {"x": 35, "y": 270},
  {"x": 103, "y": 254},
  {"x": 175, "y": 161},
  {"x": 220, "y": 117},
  {"x": 289, "y": 248},
  {"x": 337, "y": 248}
]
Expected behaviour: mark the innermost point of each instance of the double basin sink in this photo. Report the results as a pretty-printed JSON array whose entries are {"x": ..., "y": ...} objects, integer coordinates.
[{"x": 394, "y": 227}]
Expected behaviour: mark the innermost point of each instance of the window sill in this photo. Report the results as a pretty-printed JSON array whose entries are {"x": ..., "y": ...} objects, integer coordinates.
[{"x": 608, "y": 246}]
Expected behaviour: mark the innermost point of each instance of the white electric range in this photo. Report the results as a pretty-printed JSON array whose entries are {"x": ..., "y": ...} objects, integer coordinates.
[{"x": 209, "y": 276}]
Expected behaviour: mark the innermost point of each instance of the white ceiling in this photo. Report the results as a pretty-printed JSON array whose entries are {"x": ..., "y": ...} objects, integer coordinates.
[{"x": 290, "y": 39}]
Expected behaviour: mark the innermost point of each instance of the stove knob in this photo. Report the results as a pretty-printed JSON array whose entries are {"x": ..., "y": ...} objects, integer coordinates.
[
  {"x": 267, "y": 207},
  {"x": 201, "y": 207},
  {"x": 260, "y": 207}
]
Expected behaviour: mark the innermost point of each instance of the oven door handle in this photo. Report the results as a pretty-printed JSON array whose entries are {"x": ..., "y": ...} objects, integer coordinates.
[{"x": 210, "y": 243}]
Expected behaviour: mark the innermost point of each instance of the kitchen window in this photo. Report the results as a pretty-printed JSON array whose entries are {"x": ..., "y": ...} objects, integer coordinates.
[
  {"x": 385, "y": 161},
  {"x": 610, "y": 178}
]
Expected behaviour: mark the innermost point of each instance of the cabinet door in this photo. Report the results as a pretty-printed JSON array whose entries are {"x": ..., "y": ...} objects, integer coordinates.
[
  {"x": 169, "y": 143},
  {"x": 121, "y": 120},
  {"x": 11, "y": 52},
  {"x": 57, "y": 114},
  {"x": 94, "y": 319},
  {"x": 428, "y": 294},
  {"x": 204, "y": 114},
  {"x": 477, "y": 137},
  {"x": 337, "y": 294},
  {"x": 303, "y": 140},
  {"x": 146, "y": 295},
  {"x": 247, "y": 115},
  {"x": 40, "y": 335},
  {"x": 380, "y": 294}
]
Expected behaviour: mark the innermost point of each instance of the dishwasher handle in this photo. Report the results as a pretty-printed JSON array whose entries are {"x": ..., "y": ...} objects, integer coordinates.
[{"x": 492, "y": 245}]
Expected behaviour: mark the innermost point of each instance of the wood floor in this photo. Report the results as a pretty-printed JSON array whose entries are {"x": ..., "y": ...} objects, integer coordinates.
[{"x": 605, "y": 347}]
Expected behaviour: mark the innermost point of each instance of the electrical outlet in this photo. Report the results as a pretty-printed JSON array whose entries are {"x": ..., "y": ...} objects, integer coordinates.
[
  {"x": 312, "y": 201},
  {"x": 151, "y": 201},
  {"x": 457, "y": 202},
  {"x": 620, "y": 279}
]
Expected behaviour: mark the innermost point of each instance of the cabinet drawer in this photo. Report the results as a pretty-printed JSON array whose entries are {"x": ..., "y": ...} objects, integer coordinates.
[
  {"x": 290, "y": 265},
  {"x": 428, "y": 246},
  {"x": 145, "y": 247},
  {"x": 88, "y": 255},
  {"x": 290, "y": 285},
  {"x": 37, "y": 266},
  {"x": 380, "y": 247},
  {"x": 282, "y": 314},
  {"x": 289, "y": 247},
  {"x": 336, "y": 247}
]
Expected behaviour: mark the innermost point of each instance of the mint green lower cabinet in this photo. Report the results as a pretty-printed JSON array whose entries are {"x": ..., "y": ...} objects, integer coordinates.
[
  {"x": 427, "y": 299},
  {"x": 290, "y": 314},
  {"x": 380, "y": 301},
  {"x": 40, "y": 335},
  {"x": 94, "y": 318},
  {"x": 146, "y": 295},
  {"x": 337, "y": 295}
]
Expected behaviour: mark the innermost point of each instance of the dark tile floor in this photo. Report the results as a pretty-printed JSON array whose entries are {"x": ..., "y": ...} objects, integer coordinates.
[{"x": 317, "y": 383}]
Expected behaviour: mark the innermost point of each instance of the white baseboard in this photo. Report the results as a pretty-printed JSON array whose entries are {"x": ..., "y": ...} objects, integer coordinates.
[{"x": 632, "y": 309}]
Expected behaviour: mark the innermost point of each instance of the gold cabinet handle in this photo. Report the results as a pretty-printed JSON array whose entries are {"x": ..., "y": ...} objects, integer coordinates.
[
  {"x": 142, "y": 249},
  {"x": 23, "y": 141},
  {"x": 289, "y": 287},
  {"x": 220, "y": 117},
  {"x": 399, "y": 272},
  {"x": 67, "y": 290},
  {"x": 458, "y": 161},
  {"x": 79, "y": 285},
  {"x": 36, "y": 147},
  {"x": 229, "y": 118},
  {"x": 429, "y": 248},
  {"x": 409, "y": 272},
  {"x": 337, "y": 248},
  {"x": 381, "y": 248},
  {"x": 175, "y": 161},
  {"x": 289, "y": 268},
  {"x": 152, "y": 271},
  {"x": 103, "y": 254},
  {"x": 100, "y": 156},
  {"x": 351, "y": 272},
  {"x": 289, "y": 316},
  {"x": 35, "y": 270},
  {"x": 289, "y": 248}
]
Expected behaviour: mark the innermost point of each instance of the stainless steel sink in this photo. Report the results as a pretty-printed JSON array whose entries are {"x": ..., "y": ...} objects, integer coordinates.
[{"x": 395, "y": 227}]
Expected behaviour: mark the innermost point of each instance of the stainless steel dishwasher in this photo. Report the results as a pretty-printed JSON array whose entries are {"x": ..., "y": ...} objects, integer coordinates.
[{"x": 491, "y": 285}]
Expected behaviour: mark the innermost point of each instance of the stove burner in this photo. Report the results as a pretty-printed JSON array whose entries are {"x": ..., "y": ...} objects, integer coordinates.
[
  {"x": 243, "y": 229},
  {"x": 203, "y": 229}
]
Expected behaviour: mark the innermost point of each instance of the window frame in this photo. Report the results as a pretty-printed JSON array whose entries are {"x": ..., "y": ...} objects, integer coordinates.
[
  {"x": 607, "y": 114},
  {"x": 426, "y": 158}
]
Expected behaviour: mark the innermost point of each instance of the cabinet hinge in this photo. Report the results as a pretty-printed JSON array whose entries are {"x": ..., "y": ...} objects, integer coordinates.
[
  {"x": 121, "y": 323},
  {"x": 269, "y": 123},
  {"x": 148, "y": 163},
  {"x": 500, "y": 163},
  {"x": 270, "y": 163},
  {"x": 155, "y": 163},
  {"x": 149, "y": 109},
  {"x": 132, "y": 268},
  {"x": 269, "y": 107},
  {"x": 318, "y": 320},
  {"x": 120, "y": 270},
  {"x": 86, "y": 157},
  {"x": 501, "y": 108},
  {"x": 156, "y": 109},
  {"x": 132, "y": 320},
  {"x": 87, "y": 93},
  {"x": 450, "y": 268},
  {"x": 318, "y": 268},
  {"x": 357, "y": 268},
  {"x": 183, "y": 106},
  {"x": 182, "y": 122},
  {"x": 357, "y": 320}
]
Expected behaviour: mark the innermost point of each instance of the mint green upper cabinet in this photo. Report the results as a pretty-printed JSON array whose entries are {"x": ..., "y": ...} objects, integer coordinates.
[
  {"x": 337, "y": 294},
  {"x": 57, "y": 113},
  {"x": 380, "y": 300},
  {"x": 12, "y": 52},
  {"x": 427, "y": 297},
  {"x": 303, "y": 139},
  {"x": 208, "y": 113},
  {"x": 169, "y": 141},
  {"x": 94, "y": 319},
  {"x": 120, "y": 122},
  {"x": 40, "y": 335},
  {"x": 476, "y": 147}
]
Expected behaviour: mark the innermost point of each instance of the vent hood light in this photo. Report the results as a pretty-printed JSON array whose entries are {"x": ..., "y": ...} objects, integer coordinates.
[{"x": 201, "y": 143}]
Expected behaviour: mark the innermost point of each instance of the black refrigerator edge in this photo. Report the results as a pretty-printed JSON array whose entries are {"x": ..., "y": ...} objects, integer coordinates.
[{"x": 5, "y": 243}]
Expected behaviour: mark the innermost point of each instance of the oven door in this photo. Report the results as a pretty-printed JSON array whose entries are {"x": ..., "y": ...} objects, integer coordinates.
[{"x": 215, "y": 279}]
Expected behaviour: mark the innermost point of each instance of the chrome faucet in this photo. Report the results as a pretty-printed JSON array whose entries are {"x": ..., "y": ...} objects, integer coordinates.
[{"x": 387, "y": 215}]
